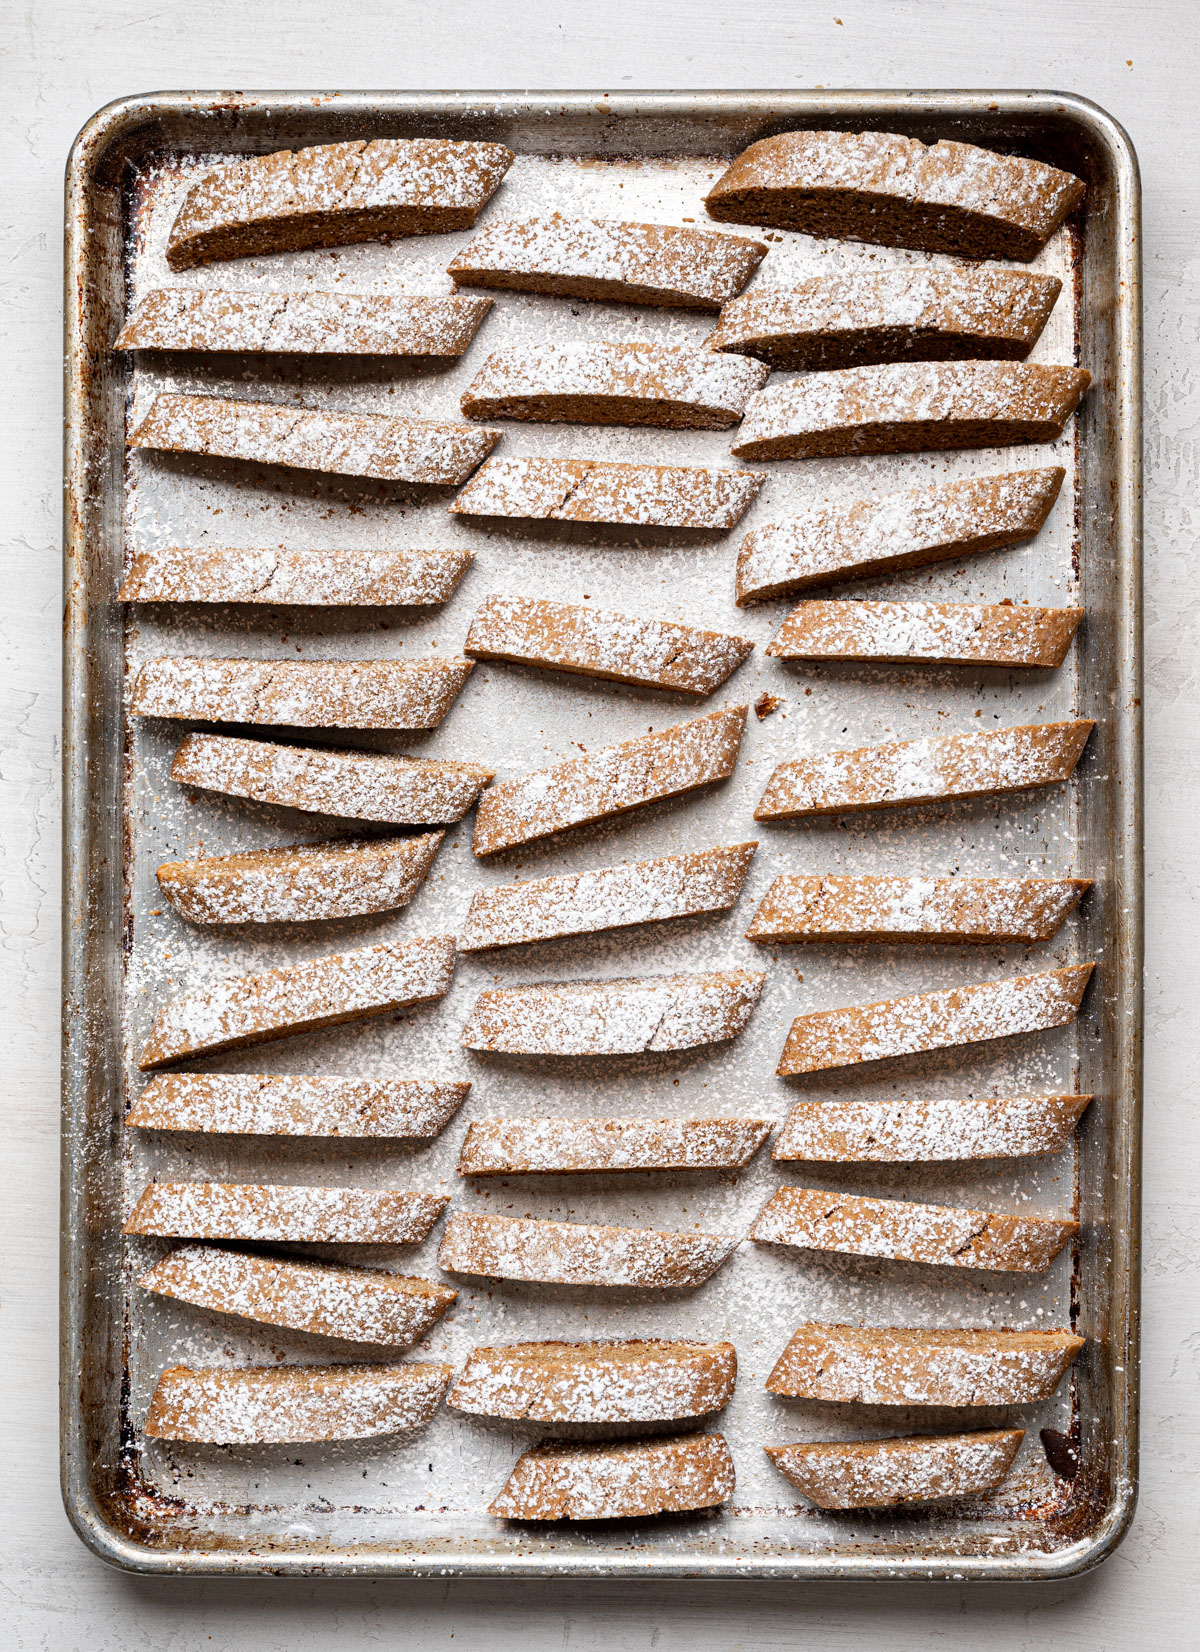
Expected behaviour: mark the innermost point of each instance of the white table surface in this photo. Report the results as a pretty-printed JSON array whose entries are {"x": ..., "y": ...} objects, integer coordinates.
[{"x": 62, "y": 60}]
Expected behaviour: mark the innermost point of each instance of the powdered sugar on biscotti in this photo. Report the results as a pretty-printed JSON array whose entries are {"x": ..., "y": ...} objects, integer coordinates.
[
  {"x": 878, "y": 1473},
  {"x": 578, "y": 1253},
  {"x": 304, "y": 578},
  {"x": 307, "y": 323},
  {"x": 622, "y": 1480},
  {"x": 592, "y": 490},
  {"x": 597, "y": 1382},
  {"x": 906, "y": 1132},
  {"x": 507, "y": 1147},
  {"x": 325, "y": 1215},
  {"x": 798, "y": 908},
  {"x": 957, "y": 633},
  {"x": 267, "y": 1104}
]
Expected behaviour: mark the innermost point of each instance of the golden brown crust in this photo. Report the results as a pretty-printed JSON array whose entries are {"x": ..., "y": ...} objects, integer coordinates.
[
  {"x": 797, "y": 908},
  {"x": 267, "y": 1104},
  {"x": 593, "y": 490},
  {"x": 522, "y": 1147},
  {"x": 304, "y": 578},
  {"x": 316, "y": 1215},
  {"x": 597, "y": 1382},
  {"x": 306, "y": 323},
  {"x": 953, "y": 633},
  {"x": 906, "y": 1132},
  {"x": 579, "y": 1253},
  {"x": 625, "y": 1480},
  {"x": 871, "y": 1474}
]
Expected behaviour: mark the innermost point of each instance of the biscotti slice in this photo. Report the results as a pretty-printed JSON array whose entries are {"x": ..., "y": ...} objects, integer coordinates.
[
  {"x": 359, "y": 785},
  {"x": 933, "y": 1020},
  {"x": 587, "y": 903},
  {"x": 597, "y": 1382},
  {"x": 592, "y": 382},
  {"x": 317, "y": 1215},
  {"x": 908, "y": 1132},
  {"x": 352, "y": 1304},
  {"x": 313, "y": 579},
  {"x": 914, "y": 909},
  {"x": 876, "y": 1474},
  {"x": 595, "y": 642},
  {"x": 315, "y": 323},
  {"x": 629, "y": 1479},
  {"x": 605, "y": 259},
  {"x": 398, "y": 694},
  {"x": 610, "y": 782},
  {"x": 592, "y": 490},
  {"x": 334, "y": 194},
  {"x": 324, "y": 992},
  {"x": 267, "y": 1104},
  {"x": 830, "y": 543},
  {"x": 291, "y": 1404},
  {"x": 891, "y": 1365},
  {"x": 617, "y": 1017},
  {"x": 305, "y": 438},
  {"x": 575, "y": 1253},
  {"x": 988, "y": 764},
  {"x": 812, "y": 1219},
  {"x": 539, "y": 1146},
  {"x": 864, "y": 318},
  {"x": 898, "y": 192},
  {"x": 910, "y": 409},
  {"x": 949, "y": 633}
]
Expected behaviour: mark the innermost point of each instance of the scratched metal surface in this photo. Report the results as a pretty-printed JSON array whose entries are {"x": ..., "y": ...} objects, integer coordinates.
[{"x": 421, "y": 1502}]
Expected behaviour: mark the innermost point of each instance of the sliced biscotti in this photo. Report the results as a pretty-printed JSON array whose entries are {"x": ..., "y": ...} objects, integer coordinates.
[
  {"x": 618, "y": 1017},
  {"x": 610, "y": 782},
  {"x": 597, "y": 1382},
  {"x": 988, "y": 764},
  {"x": 587, "y": 903},
  {"x": 949, "y": 633},
  {"x": 324, "y": 992},
  {"x": 933, "y": 1020},
  {"x": 311, "y": 579},
  {"x": 595, "y": 642},
  {"x": 267, "y": 1104},
  {"x": 868, "y": 908},
  {"x": 318, "y": 1215},
  {"x": 906, "y": 408},
  {"x": 577, "y": 1253},
  {"x": 276, "y": 1405},
  {"x": 295, "y": 885},
  {"x": 893, "y": 1365},
  {"x": 604, "y": 258},
  {"x": 628, "y": 1479},
  {"x": 302, "y": 323},
  {"x": 351, "y": 1304},
  {"x": 594, "y": 490},
  {"x": 358, "y": 785},
  {"x": 307, "y": 438},
  {"x": 593, "y": 382},
  {"x": 539, "y": 1146},
  {"x": 334, "y": 194},
  {"x": 907, "y": 1132},
  {"x": 813, "y": 1219},
  {"x": 898, "y": 192},
  {"x": 874, "y": 1474},
  {"x": 829, "y": 543}
]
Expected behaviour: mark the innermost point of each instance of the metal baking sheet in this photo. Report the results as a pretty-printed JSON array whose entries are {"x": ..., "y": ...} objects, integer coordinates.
[{"x": 419, "y": 1505}]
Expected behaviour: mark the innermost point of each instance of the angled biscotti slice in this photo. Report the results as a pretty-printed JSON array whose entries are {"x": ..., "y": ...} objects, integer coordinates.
[
  {"x": 933, "y": 1020},
  {"x": 520, "y": 1147},
  {"x": 891, "y": 1365},
  {"x": 276, "y": 1405},
  {"x": 594, "y": 490},
  {"x": 925, "y": 771},
  {"x": 898, "y": 192},
  {"x": 324, "y": 992},
  {"x": 267, "y": 1104},
  {"x": 949, "y": 633},
  {"x": 861, "y": 318},
  {"x": 610, "y": 782},
  {"x": 313, "y": 579},
  {"x": 306, "y": 438},
  {"x": 319, "y": 1215},
  {"x": 334, "y": 194},
  {"x": 828, "y": 543},
  {"x": 914, "y": 909},
  {"x": 624, "y": 1480},
  {"x": 615, "y": 1017},
  {"x": 352, "y": 1304},
  {"x": 359, "y": 785},
  {"x": 587, "y": 903},
  {"x": 597, "y": 1382},
  {"x": 908, "y": 1132},
  {"x": 595, "y": 642},
  {"x": 302, "y": 323},
  {"x": 576, "y": 1253},
  {"x": 909, "y": 409},
  {"x": 875, "y": 1474}
]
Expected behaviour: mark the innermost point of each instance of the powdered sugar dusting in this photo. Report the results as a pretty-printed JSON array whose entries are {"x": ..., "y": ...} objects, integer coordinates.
[
  {"x": 566, "y": 1482},
  {"x": 959, "y": 633},
  {"x": 878, "y": 1473},
  {"x": 500, "y": 1147},
  {"x": 579, "y": 1253},
  {"x": 592, "y": 490},
  {"x": 597, "y": 1382},
  {"x": 325, "y": 1215},
  {"x": 304, "y": 577},
  {"x": 265, "y": 1104},
  {"x": 798, "y": 908},
  {"x": 911, "y": 1131},
  {"x": 309, "y": 323}
]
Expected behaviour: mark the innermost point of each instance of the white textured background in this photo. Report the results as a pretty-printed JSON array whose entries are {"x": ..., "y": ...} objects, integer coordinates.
[{"x": 58, "y": 63}]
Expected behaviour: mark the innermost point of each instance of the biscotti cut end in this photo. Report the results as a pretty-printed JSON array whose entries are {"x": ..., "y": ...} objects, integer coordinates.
[
  {"x": 285, "y": 1212},
  {"x": 533, "y": 1146},
  {"x": 950, "y": 633},
  {"x": 911, "y": 1132},
  {"x": 871, "y": 1474},
  {"x": 628, "y": 1479},
  {"x": 580, "y": 1253},
  {"x": 300, "y": 578},
  {"x": 592, "y": 490},
  {"x": 597, "y": 1382},
  {"x": 799, "y": 909},
  {"x": 269, "y": 1104}
]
